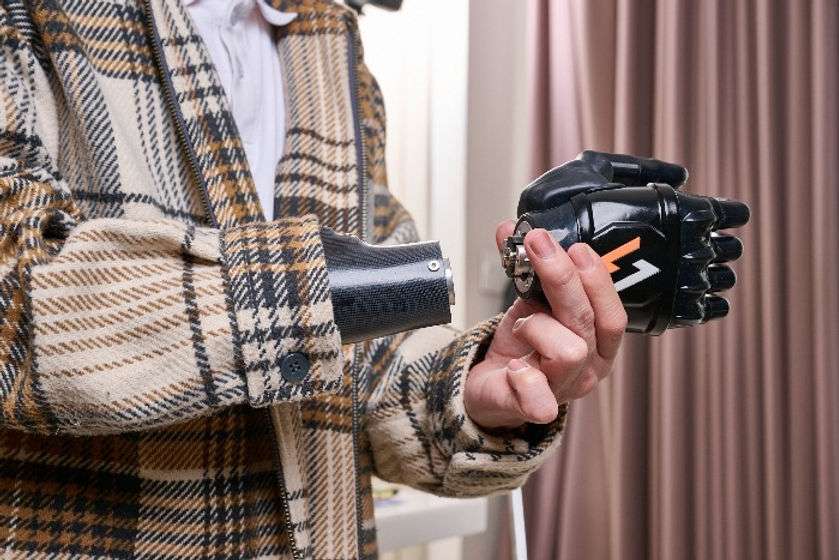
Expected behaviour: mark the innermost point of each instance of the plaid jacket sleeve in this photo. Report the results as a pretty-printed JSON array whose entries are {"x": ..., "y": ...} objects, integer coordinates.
[
  {"x": 419, "y": 431},
  {"x": 110, "y": 325},
  {"x": 415, "y": 419}
]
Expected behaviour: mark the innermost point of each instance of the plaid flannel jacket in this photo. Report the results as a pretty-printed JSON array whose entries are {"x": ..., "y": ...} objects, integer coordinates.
[{"x": 145, "y": 303}]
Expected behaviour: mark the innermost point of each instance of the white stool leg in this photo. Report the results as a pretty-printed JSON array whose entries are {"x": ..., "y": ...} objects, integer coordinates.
[{"x": 517, "y": 517}]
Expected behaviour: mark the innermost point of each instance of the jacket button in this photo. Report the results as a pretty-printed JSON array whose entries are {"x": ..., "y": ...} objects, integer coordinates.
[{"x": 294, "y": 367}]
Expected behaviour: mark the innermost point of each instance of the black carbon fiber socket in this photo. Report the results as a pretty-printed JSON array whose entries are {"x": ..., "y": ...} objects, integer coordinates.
[
  {"x": 379, "y": 290},
  {"x": 661, "y": 245}
]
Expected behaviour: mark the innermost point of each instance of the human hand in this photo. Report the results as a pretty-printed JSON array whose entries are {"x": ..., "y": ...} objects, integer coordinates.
[{"x": 540, "y": 358}]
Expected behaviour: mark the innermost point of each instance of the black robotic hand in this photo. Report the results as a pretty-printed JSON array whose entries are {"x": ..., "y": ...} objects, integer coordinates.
[{"x": 661, "y": 245}]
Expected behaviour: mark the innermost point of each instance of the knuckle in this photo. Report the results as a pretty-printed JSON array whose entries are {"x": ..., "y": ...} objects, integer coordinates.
[
  {"x": 540, "y": 319},
  {"x": 584, "y": 317},
  {"x": 585, "y": 385},
  {"x": 574, "y": 353},
  {"x": 621, "y": 318},
  {"x": 529, "y": 325},
  {"x": 531, "y": 379},
  {"x": 614, "y": 325},
  {"x": 560, "y": 275},
  {"x": 567, "y": 355}
]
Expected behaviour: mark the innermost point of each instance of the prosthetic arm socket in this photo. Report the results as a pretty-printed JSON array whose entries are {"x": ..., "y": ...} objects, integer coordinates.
[
  {"x": 379, "y": 290},
  {"x": 660, "y": 244}
]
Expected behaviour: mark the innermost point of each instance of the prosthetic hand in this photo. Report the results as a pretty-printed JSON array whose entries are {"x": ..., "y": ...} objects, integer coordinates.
[
  {"x": 379, "y": 290},
  {"x": 392, "y": 5},
  {"x": 661, "y": 245}
]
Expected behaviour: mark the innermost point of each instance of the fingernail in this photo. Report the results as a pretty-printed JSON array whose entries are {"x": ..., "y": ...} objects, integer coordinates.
[
  {"x": 581, "y": 255},
  {"x": 519, "y": 322},
  {"x": 516, "y": 365},
  {"x": 542, "y": 244}
]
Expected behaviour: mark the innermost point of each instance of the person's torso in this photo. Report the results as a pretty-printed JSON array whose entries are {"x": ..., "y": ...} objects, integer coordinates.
[{"x": 140, "y": 128}]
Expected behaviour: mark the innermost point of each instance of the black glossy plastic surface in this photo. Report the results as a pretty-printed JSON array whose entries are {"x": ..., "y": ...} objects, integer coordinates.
[
  {"x": 596, "y": 170},
  {"x": 659, "y": 243},
  {"x": 379, "y": 290},
  {"x": 392, "y": 5}
]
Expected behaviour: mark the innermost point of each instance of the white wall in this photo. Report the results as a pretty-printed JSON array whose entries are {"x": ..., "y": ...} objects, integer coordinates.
[{"x": 498, "y": 142}]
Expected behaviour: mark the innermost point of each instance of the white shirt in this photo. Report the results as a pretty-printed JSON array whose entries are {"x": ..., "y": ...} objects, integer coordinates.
[{"x": 240, "y": 37}]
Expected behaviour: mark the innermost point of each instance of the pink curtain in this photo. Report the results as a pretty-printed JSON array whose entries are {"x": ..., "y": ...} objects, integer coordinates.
[{"x": 720, "y": 441}]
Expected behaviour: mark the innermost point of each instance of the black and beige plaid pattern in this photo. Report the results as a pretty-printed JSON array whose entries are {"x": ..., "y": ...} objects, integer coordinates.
[
  {"x": 280, "y": 295},
  {"x": 142, "y": 330},
  {"x": 200, "y": 489},
  {"x": 318, "y": 173},
  {"x": 416, "y": 400}
]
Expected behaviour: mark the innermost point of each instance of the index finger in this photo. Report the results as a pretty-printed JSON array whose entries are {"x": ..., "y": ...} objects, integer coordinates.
[
  {"x": 561, "y": 284},
  {"x": 609, "y": 314}
]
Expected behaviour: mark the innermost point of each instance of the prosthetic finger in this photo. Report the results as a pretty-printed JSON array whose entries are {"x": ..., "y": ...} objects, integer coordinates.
[
  {"x": 595, "y": 170},
  {"x": 714, "y": 307},
  {"x": 729, "y": 213},
  {"x": 720, "y": 278},
  {"x": 726, "y": 247},
  {"x": 634, "y": 171}
]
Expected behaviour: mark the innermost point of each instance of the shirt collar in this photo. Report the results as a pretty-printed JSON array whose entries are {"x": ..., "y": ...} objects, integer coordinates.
[
  {"x": 273, "y": 15},
  {"x": 269, "y": 13}
]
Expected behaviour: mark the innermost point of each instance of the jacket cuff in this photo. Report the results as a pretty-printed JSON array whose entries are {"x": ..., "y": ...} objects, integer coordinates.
[
  {"x": 482, "y": 461},
  {"x": 287, "y": 343}
]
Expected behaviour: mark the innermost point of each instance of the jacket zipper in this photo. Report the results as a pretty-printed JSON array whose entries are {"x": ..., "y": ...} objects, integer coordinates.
[
  {"x": 278, "y": 469},
  {"x": 170, "y": 98},
  {"x": 354, "y": 47},
  {"x": 364, "y": 227}
]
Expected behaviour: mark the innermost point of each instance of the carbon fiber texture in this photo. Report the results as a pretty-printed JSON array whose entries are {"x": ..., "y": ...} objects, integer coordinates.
[{"x": 379, "y": 290}]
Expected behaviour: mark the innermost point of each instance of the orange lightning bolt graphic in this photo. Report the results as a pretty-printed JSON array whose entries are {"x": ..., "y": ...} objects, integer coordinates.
[{"x": 620, "y": 252}]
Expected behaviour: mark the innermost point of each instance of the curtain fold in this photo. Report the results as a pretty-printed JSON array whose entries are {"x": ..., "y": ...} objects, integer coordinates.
[{"x": 720, "y": 441}]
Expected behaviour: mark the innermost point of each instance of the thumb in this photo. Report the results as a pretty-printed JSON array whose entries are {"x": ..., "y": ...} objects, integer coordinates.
[
  {"x": 534, "y": 395},
  {"x": 510, "y": 396}
]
